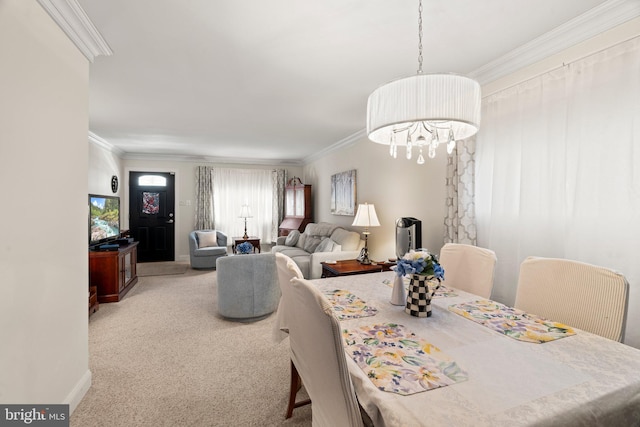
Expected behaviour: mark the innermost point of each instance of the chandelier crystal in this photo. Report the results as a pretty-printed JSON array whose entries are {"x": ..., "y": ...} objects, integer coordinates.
[{"x": 423, "y": 111}]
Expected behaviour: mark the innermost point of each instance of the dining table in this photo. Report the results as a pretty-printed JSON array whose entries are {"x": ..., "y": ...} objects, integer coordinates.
[{"x": 580, "y": 379}]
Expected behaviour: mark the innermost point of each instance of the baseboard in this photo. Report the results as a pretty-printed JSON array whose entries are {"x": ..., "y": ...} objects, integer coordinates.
[
  {"x": 183, "y": 258},
  {"x": 78, "y": 392}
]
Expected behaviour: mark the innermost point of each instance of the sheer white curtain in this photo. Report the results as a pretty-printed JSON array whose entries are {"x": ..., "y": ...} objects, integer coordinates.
[
  {"x": 558, "y": 171},
  {"x": 233, "y": 188}
]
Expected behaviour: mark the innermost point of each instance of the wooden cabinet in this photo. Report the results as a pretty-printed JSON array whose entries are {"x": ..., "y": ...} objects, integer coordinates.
[
  {"x": 297, "y": 207},
  {"x": 113, "y": 272},
  {"x": 93, "y": 299}
]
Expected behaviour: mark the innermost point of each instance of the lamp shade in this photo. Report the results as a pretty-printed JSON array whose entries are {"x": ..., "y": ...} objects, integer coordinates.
[
  {"x": 447, "y": 101},
  {"x": 366, "y": 216},
  {"x": 245, "y": 212}
]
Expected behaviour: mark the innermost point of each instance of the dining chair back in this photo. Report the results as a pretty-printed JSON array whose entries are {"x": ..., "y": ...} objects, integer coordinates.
[
  {"x": 468, "y": 268},
  {"x": 318, "y": 353},
  {"x": 287, "y": 269},
  {"x": 577, "y": 294}
]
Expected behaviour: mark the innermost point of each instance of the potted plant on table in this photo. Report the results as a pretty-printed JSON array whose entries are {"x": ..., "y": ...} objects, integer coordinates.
[
  {"x": 244, "y": 248},
  {"x": 425, "y": 274}
]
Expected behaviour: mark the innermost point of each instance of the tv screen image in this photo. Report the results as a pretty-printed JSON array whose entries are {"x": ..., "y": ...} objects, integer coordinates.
[{"x": 104, "y": 218}]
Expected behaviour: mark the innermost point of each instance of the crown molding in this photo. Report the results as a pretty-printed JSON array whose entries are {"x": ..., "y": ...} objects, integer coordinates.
[
  {"x": 102, "y": 143},
  {"x": 591, "y": 23},
  {"x": 210, "y": 159},
  {"x": 343, "y": 143},
  {"x": 75, "y": 23}
]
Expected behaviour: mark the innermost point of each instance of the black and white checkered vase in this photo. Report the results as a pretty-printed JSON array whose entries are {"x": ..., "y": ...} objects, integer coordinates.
[{"x": 419, "y": 296}]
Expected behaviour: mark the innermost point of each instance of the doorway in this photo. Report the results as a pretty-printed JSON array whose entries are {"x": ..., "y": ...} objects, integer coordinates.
[{"x": 151, "y": 214}]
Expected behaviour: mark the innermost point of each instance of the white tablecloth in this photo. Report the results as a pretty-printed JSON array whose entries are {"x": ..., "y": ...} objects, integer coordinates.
[{"x": 577, "y": 380}]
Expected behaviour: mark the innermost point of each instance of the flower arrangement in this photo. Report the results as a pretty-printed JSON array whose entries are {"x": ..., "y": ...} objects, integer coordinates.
[
  {"x": 244, "y": 248},
  {"x": 420, "y": 262}
]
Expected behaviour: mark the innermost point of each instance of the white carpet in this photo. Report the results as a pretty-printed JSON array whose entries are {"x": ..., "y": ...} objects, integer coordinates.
[{"x": 163, "y": 357}]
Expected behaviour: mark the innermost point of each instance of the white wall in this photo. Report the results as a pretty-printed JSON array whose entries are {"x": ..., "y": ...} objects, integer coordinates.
[
  {"x": 397, "y": 187},
  {"x": 43, "y": 219},
  {"x": 185, "y": 191},
  {"x": 103, "y": 164}
]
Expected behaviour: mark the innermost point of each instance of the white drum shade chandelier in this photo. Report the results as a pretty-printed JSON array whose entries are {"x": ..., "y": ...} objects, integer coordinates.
[{"x": 424, "y": 110}]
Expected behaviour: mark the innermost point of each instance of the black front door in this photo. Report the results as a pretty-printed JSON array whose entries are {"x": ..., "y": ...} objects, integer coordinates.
[{"x": 151, "y": 214}]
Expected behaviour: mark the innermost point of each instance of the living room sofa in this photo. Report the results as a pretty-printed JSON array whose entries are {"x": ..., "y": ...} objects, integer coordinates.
[{"x": 320, "y": 242}]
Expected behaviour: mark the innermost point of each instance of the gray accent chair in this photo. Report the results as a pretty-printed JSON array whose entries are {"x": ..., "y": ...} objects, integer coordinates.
[
  {"x": 248, "y": 286},
  {"x": 206, "y": 257}
]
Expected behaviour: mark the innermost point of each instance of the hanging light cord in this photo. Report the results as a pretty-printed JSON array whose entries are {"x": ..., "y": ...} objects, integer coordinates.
[{"x": 420, "y": 37}]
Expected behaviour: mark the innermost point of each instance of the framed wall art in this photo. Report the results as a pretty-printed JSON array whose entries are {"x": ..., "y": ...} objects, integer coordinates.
[{"x": 343, "y": 193}]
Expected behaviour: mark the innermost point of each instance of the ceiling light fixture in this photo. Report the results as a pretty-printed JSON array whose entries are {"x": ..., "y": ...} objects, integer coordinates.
[{"x": 424, "y": 110}]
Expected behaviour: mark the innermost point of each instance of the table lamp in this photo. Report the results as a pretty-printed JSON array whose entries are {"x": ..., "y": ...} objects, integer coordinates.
[
  {"x": 366, "y": 217},
  {"x": 245, "y": 212}
]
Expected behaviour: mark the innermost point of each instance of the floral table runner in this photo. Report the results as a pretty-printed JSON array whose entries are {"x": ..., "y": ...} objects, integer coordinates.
[
  {"x": 398, "y": 361},
  {"x": 512, "y": 322},
  {"x": 348, "y": 306},
  {"x": 444, "y": 292}
]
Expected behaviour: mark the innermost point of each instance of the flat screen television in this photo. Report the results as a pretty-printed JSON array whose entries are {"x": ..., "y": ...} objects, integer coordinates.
[{"x": 104, "y": 218}]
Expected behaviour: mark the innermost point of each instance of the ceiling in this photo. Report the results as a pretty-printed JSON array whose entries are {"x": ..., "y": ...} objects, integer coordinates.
[{"x": 278, "y": 81}]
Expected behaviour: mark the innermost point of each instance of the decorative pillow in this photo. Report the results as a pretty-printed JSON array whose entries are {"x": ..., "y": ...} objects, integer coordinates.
[
  {"x": 301, "y": 240},
  {"x": 311, "y": 243},
  {"x": 207, "y": 239},
  {"x": 292, "y": 238},
  {"x": 350, "y": 240},
  {"x": 326, "y": 245}
]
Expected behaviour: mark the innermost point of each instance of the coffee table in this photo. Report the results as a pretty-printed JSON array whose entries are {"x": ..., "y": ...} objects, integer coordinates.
[
  {"x": 351, "y": 266},
  {"x": 255, "y": 242}
]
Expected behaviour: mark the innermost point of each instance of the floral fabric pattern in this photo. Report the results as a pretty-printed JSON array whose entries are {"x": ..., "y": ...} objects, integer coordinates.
[
  {"x": 150, "y": 203},
  {"x": 512, "y": 322},
  {"x": 398, "y": 361},
  {"x": 348, "y": 306},
  {"x": 444, "y": 292}
]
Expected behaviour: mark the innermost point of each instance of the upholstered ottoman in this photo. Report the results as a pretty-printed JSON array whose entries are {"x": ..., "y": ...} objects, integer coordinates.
[{"x": 247, "y": 286}]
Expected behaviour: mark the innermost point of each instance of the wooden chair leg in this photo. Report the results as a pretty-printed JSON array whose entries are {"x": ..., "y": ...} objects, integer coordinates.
[{"x": 296, "y": 384}]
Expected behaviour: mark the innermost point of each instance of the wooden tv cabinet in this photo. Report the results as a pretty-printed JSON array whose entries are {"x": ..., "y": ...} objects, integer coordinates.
[{"x": 113, "y": 272}]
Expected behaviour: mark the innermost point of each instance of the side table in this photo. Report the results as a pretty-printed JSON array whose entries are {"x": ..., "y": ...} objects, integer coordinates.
[
  {"x": 255, "y": 242},
  {"x": 351, "y": 266}
]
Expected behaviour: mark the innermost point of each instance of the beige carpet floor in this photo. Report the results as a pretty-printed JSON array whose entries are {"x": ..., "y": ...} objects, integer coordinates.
[
  {"x": 145, "y": 269},
  {"x": 163, "y": 357}
]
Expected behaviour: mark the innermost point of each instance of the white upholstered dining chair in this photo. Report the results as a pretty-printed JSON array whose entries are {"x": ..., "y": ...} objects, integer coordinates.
[
  {"x": 287, "y": 269},
  {"x": 468, "y": 268},
  {"x": 318, "y": 354},
  {"x": 577, "y": 294}
]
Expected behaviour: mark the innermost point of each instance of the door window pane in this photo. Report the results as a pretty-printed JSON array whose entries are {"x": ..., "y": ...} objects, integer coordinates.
[{"x": 152, "y": 180}]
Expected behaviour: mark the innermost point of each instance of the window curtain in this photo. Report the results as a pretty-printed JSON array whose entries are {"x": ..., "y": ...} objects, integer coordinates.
[
  {"x": 460, "y": 220},
  {"x": 233, "y": 188},
  {"x": 279, "y": 177},
  {"x": 558, "y": 171},
  {"x": 204, "y": 199}
]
